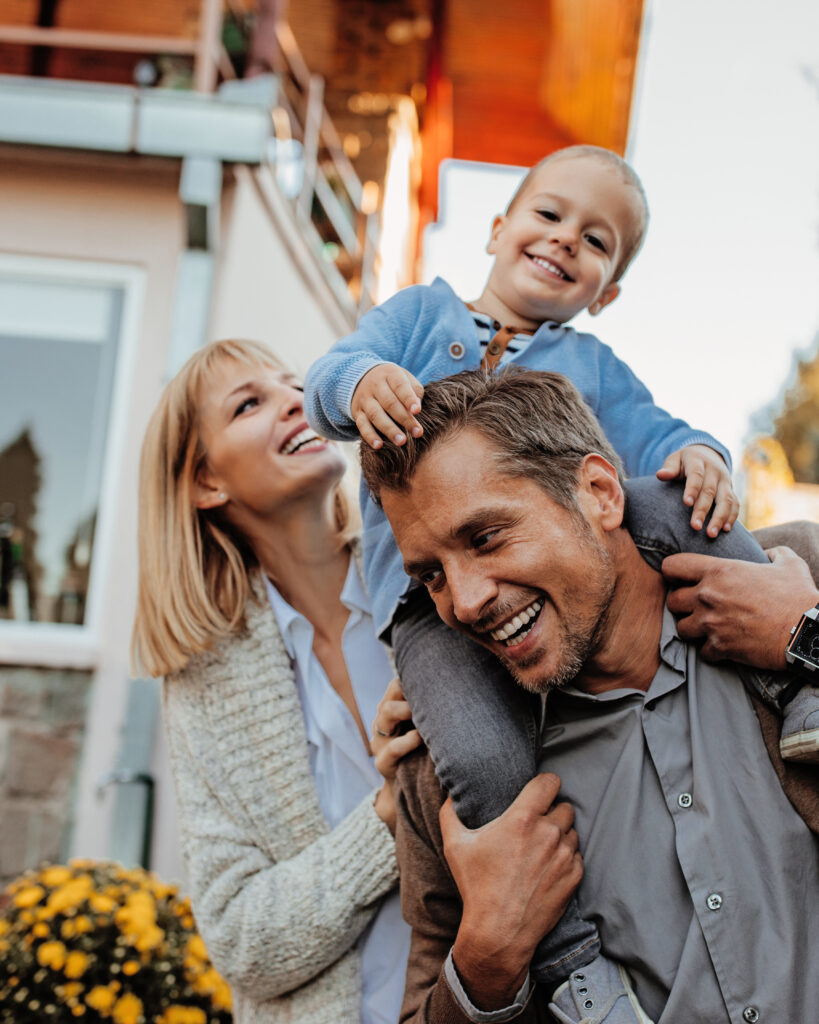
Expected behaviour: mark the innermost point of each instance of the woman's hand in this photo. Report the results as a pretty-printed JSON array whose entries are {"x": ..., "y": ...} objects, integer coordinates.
[{"x": 389, "y": 747}]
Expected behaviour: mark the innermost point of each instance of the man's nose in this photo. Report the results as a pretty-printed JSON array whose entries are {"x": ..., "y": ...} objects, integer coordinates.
[{"x": 472, "y": 593}]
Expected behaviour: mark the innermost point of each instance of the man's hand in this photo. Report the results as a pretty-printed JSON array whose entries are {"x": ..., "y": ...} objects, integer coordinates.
[
  {"x": 707, "y": 482},
  {"x": 743, "y": 610},
  {"x": 515, "y": 876},
  {"x": 387, "y": 398}
]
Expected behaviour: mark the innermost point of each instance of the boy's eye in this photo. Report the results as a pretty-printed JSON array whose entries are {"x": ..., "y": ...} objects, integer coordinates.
[
  {"x": 548, "y": 214},
  {"x": 598, "y": 243}
]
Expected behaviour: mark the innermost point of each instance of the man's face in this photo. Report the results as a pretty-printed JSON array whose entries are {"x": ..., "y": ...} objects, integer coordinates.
[{"x": 503, "y": 562}]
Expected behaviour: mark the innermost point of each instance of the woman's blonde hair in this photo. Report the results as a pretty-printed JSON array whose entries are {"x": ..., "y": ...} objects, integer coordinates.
[{"x": 193, "y": 565}]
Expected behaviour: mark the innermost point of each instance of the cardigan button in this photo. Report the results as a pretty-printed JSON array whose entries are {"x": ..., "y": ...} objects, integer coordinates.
[{"x": 457, "y": 350}]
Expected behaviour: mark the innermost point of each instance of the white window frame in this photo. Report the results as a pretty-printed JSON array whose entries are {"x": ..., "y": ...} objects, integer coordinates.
[{"x": 66, "y": 645}]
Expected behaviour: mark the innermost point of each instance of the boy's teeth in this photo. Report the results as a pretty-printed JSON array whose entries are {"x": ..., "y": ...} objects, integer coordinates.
[
  {"x": 548, "y": 265},
  {"x": 299, "y": 440},
  {"x": 505, "y": 631}
]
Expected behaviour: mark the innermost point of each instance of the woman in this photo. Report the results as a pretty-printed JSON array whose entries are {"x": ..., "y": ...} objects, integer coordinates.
[{"x": 251, "y": 606}]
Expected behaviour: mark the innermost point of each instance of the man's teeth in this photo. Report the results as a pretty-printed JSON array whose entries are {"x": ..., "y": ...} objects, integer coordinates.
[
  {"x": 548, "y": 265},
  {"x": 305, "y": 437},
  {"x": 504, "y": 633}
]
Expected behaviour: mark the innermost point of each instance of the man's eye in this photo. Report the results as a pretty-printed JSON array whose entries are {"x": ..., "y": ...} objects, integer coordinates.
[
  {"x": 598, "y": 243},
  {"x": 483, "y": 540},
  {"x": 431, "y": 577}
]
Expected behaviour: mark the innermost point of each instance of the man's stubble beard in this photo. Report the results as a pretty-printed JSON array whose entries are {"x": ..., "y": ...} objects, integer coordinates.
[{"x": 579, "y": 641}]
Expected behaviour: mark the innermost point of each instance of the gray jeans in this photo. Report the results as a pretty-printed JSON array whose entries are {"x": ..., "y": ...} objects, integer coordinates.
[{"x": 482, "y": 730}]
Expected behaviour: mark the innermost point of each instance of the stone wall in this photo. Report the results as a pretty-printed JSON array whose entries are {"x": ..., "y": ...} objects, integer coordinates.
[{"x": 42, "y": 718}]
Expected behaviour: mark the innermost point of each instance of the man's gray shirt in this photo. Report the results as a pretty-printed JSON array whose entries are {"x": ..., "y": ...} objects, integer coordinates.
[{"x": 702, "y": 878}]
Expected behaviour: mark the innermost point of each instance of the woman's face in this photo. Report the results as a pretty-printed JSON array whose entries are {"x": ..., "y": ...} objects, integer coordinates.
[{"x": 261, "y": 454}]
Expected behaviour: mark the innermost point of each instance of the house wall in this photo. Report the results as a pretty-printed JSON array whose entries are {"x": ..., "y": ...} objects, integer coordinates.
[
  {"x": 62, "y": 729},
  {"x": 62, "y": 732}
]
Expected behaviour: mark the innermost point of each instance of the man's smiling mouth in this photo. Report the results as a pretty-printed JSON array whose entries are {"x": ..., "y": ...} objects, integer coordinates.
[
  {"x": 549, "y": 265},
  {"x": 515, "y": 630}
]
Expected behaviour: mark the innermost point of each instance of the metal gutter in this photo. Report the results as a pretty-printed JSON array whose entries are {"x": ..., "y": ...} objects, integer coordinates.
[{"x": 124, "y": 119}]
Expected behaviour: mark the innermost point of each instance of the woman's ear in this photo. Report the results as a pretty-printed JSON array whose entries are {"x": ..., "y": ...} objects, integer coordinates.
[{"x": 208, "y": 492}]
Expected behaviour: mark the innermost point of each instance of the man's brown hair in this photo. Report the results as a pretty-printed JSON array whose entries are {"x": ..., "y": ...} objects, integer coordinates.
[{"x": 536, "y": 423}]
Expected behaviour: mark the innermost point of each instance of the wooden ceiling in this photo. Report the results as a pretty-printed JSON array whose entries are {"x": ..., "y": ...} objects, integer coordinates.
[{"x": 501, "y": 82}]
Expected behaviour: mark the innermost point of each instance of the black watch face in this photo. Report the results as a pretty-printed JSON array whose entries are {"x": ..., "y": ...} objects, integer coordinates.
[{"x": 805, "y": 644}]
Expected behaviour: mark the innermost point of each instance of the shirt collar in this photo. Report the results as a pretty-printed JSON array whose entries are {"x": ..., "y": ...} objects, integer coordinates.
[
  {"x": 353, "y": 596},
  {"x": 673, "y": 652}
]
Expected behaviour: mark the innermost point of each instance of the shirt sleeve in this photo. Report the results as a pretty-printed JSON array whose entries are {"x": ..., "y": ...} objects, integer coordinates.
[
  {"x": 432, "y": 907},
  {"x": 485, "y": 1016},
  {"x": 642, "y": 433},
  {"x": 382, "y": 336}
]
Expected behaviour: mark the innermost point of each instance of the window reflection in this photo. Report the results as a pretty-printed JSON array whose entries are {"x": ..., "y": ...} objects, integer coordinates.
[{"x": 58, "y": 347}]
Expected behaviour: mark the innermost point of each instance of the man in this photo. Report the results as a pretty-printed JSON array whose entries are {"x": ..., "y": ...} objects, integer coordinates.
[{"x": 700, "y": 874}]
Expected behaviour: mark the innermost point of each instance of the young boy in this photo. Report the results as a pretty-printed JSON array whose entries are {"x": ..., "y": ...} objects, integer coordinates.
[{"x": 567, "y": 237}]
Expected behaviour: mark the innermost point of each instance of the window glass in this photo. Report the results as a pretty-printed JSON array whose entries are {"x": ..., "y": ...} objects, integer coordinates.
[{"x": 58, "y": 350}]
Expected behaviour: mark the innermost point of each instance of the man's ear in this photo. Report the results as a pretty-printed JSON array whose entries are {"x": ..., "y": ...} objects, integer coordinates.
[
  {"x": 208, "y": 492},
  {"x": 602, "y": 488},
  {"x": 607, "y": 296},
  {"x": 498, "y": 225}
]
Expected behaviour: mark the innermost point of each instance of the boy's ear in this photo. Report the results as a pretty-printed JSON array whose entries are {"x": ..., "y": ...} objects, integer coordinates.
[
  {"x": 208, "y": 492},
  {"x": 607, "y": 296},
  {"x": 498, "y": 225}
]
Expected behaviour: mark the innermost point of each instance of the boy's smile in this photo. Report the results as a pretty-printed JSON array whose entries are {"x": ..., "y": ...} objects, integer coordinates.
[{"x": 558, "y": 247}]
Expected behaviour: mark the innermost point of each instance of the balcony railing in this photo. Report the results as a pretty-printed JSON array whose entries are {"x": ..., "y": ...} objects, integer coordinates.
[{"x": 335, "y": 211}]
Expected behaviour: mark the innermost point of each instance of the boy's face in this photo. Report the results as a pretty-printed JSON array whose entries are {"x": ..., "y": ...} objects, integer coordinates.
[{"x": 557, "y": 249}]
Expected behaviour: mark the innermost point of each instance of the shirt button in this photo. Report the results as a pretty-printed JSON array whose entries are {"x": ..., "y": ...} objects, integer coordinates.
[
  {"x": 714, "y": 901},
  {"x": 456, "y": 350},
  {"x": 685, "y": 800},
  {"x": 751, "y": 1014}
]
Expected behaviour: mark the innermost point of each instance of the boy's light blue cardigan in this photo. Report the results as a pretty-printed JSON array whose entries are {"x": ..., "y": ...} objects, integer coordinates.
[{"x": 416, "y": 329}]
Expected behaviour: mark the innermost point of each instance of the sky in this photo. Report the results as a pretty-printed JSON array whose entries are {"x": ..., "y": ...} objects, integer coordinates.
[{"x": 725, "y": 136}]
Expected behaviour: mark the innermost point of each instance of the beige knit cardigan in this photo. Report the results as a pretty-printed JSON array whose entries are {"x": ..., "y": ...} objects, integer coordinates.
[{"x": 279, "y": 898}]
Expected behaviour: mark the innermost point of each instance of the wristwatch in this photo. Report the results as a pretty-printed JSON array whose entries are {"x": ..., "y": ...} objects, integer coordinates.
[{"x": 803, "y": 647}]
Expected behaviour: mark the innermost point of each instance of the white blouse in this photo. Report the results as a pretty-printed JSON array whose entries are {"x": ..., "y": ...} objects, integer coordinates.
[{"x": 345, "y": 773}]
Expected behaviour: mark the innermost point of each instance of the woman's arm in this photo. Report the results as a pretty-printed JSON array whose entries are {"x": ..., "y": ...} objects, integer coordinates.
[{"x": 270, "y": 925}]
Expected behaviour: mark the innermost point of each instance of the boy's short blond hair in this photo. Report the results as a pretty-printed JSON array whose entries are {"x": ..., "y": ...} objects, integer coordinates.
[{"x": 634, "y": 239}]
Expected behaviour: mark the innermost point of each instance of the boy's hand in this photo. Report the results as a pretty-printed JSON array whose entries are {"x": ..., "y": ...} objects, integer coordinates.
[
  {"x": 386, "y": 399},
  {"x": 707, "y": 482}
]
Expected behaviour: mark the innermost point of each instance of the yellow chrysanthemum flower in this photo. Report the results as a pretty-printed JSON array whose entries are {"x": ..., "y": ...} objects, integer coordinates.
[
  {"x": 221, "y": 996},
  {"x": 183, "y": 1015},
  {"x": 101, "y": 903},
  {"x": 130, "y": 967},
  {"x": 52, "y": 954},
  {"x": 55, "y": 876},
  {"x": 100, "y": 998},
  {"x": 28, "y": 896},
  {"x": 76, "y": 964},
  {"x": 127, "y": 1009},
  {"x": 70, "y": 895},
  {"x": 40, "y": 930},
  {"x": 196, "y": 948}
]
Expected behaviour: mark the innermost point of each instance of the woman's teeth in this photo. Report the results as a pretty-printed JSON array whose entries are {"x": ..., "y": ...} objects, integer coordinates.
[
  {"x": 513, "y": 632},
  {"x": 305, "y": 437}
]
